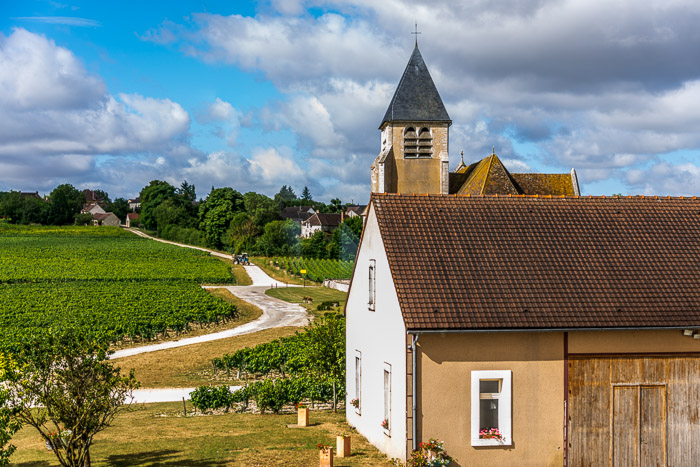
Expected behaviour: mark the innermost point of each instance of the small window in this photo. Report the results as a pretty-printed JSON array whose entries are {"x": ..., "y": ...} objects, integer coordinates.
[
  {"x": 386, "y": 421},
  {"x": 358, "y": 381},
  {"x": 372, "y": 283},
  {"x": 491, "y": 410}
]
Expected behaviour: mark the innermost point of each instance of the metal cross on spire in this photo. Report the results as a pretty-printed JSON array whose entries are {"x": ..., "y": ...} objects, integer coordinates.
[{"x": 416, "y": 33}]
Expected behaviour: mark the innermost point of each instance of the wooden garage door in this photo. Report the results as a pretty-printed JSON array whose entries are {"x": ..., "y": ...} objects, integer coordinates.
[{"x": 634, "y": 411}]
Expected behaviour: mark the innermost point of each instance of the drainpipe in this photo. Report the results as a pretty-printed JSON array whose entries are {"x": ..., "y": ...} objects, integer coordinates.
[{"x": 414, "y": 341}]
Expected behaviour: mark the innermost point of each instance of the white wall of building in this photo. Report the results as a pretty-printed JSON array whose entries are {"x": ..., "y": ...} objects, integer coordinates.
[{"x": 380, "y": 337}]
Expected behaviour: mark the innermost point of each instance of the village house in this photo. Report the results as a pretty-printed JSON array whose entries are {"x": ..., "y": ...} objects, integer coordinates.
[
  {"x": 514, "y": 319},
  {"x": 92, "y": 208},
  {"x": 134, "y": 203},
  {"x": 355, "y": 211},
  {"x": 132, "y": 218},
  {"x": 105, "y": 218},
  {"x": 324, "y": 222},
  {"x": 297, "y": 214},
  {"x": 569, "y": 324}
]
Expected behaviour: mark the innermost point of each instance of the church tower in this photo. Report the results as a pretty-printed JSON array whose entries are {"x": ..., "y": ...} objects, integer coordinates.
[{"x": 414, "y": 136}]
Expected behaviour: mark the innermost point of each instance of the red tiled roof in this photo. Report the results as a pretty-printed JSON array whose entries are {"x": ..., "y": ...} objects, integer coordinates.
[{"x": 500, "y": 262}]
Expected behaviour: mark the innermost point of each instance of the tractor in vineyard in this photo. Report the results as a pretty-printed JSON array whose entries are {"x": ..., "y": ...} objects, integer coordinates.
[{"x": 241, "y": 259}]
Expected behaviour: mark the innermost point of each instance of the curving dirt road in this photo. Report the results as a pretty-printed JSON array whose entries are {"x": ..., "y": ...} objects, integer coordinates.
[{"x": 276, "y": 313}]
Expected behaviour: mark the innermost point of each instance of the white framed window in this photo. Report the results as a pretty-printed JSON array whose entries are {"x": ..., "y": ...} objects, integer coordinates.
[
  {"x": 358, "y": 381},
  {"x": 386, "y": 420},
  {"x": 491, "y": 408},
  {"x": 372, "y": 283}
]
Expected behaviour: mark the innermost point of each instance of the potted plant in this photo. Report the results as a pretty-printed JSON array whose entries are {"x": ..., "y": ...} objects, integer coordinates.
[
  {"x": 355, "y": 403},
  {"x": 490, "y": 433},
  {"x": 302, "y": 415},
  {"x": 429, "y": 454},
  {"x": 325, "y": 455}
]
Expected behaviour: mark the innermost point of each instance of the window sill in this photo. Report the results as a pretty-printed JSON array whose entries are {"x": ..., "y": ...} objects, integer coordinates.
[
  {"x": 492, "y": 442},
  {"x": 387, "y": 432}
]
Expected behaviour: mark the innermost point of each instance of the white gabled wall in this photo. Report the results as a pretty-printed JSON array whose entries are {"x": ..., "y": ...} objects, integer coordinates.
[{"x": 380, "y": 336}]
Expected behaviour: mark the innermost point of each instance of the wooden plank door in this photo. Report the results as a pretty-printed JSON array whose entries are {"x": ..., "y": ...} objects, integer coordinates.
[{"x": 638, "y": 426}]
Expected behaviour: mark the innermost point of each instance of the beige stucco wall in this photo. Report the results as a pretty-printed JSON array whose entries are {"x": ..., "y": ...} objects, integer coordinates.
[
  {"x": 537, "y": 365},
  {"x": 605, "y": 342}
]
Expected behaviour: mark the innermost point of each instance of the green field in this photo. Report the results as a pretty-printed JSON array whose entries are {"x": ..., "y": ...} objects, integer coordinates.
[{"x": 107, "y": 281}]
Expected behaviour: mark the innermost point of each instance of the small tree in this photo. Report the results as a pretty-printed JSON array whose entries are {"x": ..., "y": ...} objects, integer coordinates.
[
  {"x": 8, "y": 423},
  {"x": 325, "y": 349},
  {"x": 306, "y": 194},
  {"x": 66, "y": 388}
]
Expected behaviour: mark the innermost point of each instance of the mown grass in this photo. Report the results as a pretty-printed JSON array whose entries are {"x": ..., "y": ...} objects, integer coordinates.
[
  {"x": 190, "y": 366},
  {"x": 277, "y": 274},
  {"x": 242, "y": 277},
  {"x": 317, "y": 294},
  {"x": 158, "y": 434}
]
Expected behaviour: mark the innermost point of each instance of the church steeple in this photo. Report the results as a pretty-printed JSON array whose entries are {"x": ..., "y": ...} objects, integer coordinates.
[{"x": 416, "y": 98}]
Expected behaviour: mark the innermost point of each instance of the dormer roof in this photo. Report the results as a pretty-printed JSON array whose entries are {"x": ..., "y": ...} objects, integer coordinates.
[{"x": 416, "y": 98}]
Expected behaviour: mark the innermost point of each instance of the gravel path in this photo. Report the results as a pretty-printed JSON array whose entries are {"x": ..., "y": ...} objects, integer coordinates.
[{"x": 276, "y": 313}]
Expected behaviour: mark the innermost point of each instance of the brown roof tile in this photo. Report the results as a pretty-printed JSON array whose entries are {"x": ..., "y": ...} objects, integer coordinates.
[{"x": 498, "y": 262}]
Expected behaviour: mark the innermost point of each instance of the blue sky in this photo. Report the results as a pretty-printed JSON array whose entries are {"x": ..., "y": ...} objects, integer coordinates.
[{"x": 255, "y": 95}]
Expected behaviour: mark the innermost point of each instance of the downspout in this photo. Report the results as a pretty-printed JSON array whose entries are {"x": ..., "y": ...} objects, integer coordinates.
[{"x": 414, "y": 341}]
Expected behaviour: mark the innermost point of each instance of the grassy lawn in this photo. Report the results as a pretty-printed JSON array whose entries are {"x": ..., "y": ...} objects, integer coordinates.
[
  {"x": 190, "y": 366},
  {"x": 277, "y": 274},
  {"x": 158, "y": 434},
  {"x": 318, "y": 294},
  {"x": 242, "y": 277}
]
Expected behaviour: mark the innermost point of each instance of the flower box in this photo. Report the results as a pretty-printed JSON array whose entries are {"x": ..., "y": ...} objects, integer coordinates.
[
  {"x": 342, "y": 445},
  {"x": 303, "y": 416},
  {"x": 325, "y": 457}
]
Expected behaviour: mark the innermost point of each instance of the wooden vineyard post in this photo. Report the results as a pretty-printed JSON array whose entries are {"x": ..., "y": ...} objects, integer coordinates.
[
  {"x": 342, "y": 445},
  {"x": 303, "y": 416},
  {"x": 325, "y": 457}
]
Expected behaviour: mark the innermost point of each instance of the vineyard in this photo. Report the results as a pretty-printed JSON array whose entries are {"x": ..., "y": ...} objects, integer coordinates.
[
  {"x": 107, "y": 281},
  {"x": 317, "y": 270},
  {"x": 309, "y": 366}
]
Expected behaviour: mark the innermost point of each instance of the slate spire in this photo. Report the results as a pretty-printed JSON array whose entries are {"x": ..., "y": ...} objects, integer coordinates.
[{"x": 416, "y": 98}]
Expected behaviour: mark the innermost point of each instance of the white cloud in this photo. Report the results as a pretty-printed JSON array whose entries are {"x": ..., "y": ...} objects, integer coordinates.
[
  {"x": 273, "y": 168},
  {"x": 55, "y": 117}
]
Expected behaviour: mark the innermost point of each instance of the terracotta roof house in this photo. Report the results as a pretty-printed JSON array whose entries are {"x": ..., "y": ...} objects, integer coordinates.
[
  {"x": 92, "y": 208},
  {"x": 354, "y": 211},
  {"x": 135, "y": 203},
  {"x": 325, "y": 222},
  {"x": 297, "y": 213},
  {"x": 132, "y": 218},
  {"x": 91, "y": 197},
  {"x": 569, "y": 324},
  {"x": 105, "y": 218}
]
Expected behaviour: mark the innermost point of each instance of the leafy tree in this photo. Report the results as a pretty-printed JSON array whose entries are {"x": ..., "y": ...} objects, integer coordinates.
[
  {"x": 336, "y": 205},
  {"x": 8, "y": 423},
  {"x": 261, "y": 208},
  {"x": 216, "y": 213},
  {"x": 172, "y": 212},
  {"x": 345, "y": 239},
  {"x": 83, "y": 218},
  {"x": 151, "y": 197},
  {"x": 315, "y": 246},
  {"x": 306, "y": 194},
  {"x": 66, "y": 388},
  {"x": 285, "y": 196},
  {"x": 34, "y": 210},
  {"x": 66, "y": 202},
  {"x": 325, "y": 341},
  {"x": 241, "y": 232},
  {"x": 279, "y": 238}
]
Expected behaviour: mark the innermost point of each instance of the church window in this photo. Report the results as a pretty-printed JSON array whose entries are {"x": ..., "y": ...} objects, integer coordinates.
[
  {"x": 410, "y": 142},
  {"x": 417, "y": 142}
]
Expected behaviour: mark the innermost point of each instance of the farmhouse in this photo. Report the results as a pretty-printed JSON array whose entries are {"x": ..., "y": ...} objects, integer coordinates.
[
  {"x": 569, "y": 324},
  {"x": 324, "y": 222}
]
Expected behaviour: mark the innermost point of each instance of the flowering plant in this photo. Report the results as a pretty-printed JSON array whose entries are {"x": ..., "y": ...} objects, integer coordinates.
[
  {"x": 301, "y": 406},
  {"x": 385, "y": 423},
  {"x": 429, "y": 454},
  {"x": 355, "y": 403},
  {"x": 322, "y": 447},
  {"x": 490, "y": 433}
]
